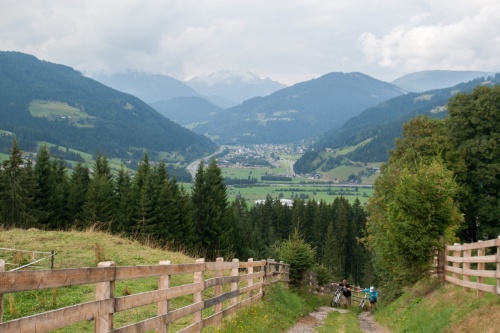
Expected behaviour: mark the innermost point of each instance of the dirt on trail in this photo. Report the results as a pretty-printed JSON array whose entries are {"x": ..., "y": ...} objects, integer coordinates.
[{"x": 316, "y": 319}]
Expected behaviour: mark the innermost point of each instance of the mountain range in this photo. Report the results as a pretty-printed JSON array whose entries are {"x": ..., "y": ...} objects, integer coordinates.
[
  {"x": 302, "y": 111},
  {"x": 233, "y": 85},
  {"x": 436, "y": 79},
  {"x": 42, "y": 101},
  {"x": 223, "y": 89},
  {"x": 375, "y": 129}
]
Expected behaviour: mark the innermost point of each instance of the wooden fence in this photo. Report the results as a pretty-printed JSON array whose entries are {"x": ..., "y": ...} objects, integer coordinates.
[
  {"x": 468, "y": 265},
  {"x": 233, "y": 285}
]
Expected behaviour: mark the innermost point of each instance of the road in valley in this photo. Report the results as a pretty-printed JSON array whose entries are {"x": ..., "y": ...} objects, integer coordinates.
[{"x": 193, "y": 166}]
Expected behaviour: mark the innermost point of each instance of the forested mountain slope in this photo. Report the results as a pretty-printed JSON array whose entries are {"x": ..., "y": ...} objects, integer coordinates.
[
  {"x": 301, "y": 111},
  {"x": 381, "y": 124},
  {"x": 40, "y": 100},
  {"x": 186, "y": 110},
  {"x": 436, "y": 79}
]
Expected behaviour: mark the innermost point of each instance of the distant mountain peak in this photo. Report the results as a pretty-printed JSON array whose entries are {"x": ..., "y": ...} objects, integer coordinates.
[
  {"x": 235, "y": 85},
  {"x": 229, "y": 76}
]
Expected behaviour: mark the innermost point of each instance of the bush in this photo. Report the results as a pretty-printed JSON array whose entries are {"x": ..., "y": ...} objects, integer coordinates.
[{"x": 298, "y": 254}]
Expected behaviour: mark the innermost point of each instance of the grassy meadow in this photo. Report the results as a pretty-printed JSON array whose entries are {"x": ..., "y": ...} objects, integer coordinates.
[
  {"x": 86, "y": 249},
  {"x": 58, "y": 111}
]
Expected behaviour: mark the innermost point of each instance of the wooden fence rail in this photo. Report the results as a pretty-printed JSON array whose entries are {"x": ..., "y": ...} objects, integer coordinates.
[
  {"x": 244, "y": 283},
  {"x": 458, "y": 263}
]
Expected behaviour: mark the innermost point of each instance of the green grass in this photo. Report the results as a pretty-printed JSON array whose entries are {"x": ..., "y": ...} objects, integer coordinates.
[
  {"x": 279, "y": 310},
  {"x": 340, "y": 322},
  {"x": 54, "y": 110},
  {"x": 431, "y": 307},
  {"x": 85, "y": 249},
  {"x": 4, "y": 157},
  {"x": 256, "y": 192}
]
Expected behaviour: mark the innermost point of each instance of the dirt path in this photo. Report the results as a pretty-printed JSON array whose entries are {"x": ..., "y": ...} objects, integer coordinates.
[
  {"x": 368, "y": 325},
  {"x": 308, "y": 323}
]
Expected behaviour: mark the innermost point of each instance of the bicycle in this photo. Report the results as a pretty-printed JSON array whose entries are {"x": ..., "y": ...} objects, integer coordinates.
[
  {"x": 336, "y": 298},
  {"x": 363, "y": 302}
]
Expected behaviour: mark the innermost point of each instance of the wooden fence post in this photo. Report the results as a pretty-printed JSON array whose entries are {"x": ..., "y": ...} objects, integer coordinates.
[
  {"x": 456, "y": 253},
  {"x": 2, "y": 269},
  {"x": 104, "y": 290},
  {"x": 250, "y": 281},
  {"x": 466, "y": 266},
  {"x": 234, "y": 285},
  {"x": 218, "y": 287},
  {"x": 163, "y": 283},
  {"x": 280, "y": 270},
  {"x": 441, "y": 260},
  {"x": 498, "y": 268},
  {"x": 262, "y": 278},
  {"x": 480, "y": 267},
  {"x": 198, "y": 296}
]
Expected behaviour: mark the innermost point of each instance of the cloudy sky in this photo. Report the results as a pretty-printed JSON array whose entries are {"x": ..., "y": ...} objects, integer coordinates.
[{"x": 287, "y": 40}]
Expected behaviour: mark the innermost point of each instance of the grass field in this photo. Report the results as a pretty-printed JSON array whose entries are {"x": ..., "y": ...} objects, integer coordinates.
[
  {"x": 86, "y": 249},
  {"x": 60, "y": 111},
  {"x": 317, "y": 193}
]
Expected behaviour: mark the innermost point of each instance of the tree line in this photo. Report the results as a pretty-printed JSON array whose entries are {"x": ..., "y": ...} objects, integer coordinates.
[{"x": 150, "y": 205}]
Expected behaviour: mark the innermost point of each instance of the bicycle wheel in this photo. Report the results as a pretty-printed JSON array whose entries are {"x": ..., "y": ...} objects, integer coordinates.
[
  {"x": 362, "y": 304},
  {"x": 335, "y": 301}
]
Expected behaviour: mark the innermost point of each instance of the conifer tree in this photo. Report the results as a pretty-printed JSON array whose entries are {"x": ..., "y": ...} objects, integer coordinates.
[
  {"x": 142, "y": 197},
  {"x": 214, "y": 226},
  {"x": 16, "y": 190},
  {"x": 45, "y": 189},
  {"x": 188, "y": 239},
  {"x": 99, "y": 207},
  {"x": 77, "y": 192},
  {"x": 59, "y": 213},
  {"x": 125, "y": 203}
]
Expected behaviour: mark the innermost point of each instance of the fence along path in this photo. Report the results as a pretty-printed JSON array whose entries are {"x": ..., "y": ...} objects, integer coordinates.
[
  {"x": 457, "y": 264},
  {"x": 242, "y": 288}
]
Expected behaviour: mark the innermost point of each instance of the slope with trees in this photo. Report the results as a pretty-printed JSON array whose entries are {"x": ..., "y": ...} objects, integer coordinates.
[
  {"x": 112, "y": 122},
  {"x": 378, "y": 126},
  {"x": 302, "y": 111},
  {"x": 152, "y": 206}
]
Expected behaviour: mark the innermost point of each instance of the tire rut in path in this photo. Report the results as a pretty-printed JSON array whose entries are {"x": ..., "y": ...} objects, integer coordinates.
[
  {"x": 316, "y": 319},
  {"x": 308, "y": 323},
  {"x": 368, "y": 325}
]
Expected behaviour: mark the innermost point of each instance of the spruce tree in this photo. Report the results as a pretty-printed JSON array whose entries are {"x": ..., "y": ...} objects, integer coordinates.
[
  {"x": 99, "y": 207},
  {"x": 45, "y": 189},
  {"x": 77, "y": 192},
  {"x": 125, "y": 203},
  {"x": 214, "y": 225},
  {"x": 16, "y": 192}
]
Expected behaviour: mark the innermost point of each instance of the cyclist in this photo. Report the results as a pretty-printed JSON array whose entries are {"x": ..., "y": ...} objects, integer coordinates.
[
  {"x": 346, "y": 291},
  {"x": 373, "y": 296}
]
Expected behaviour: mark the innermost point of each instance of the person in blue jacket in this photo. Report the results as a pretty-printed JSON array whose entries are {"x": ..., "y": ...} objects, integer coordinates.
[{"x": 373, "y": 296}]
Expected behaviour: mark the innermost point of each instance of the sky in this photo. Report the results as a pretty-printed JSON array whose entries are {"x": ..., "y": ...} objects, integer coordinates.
[{"x": 289, "y": 41}]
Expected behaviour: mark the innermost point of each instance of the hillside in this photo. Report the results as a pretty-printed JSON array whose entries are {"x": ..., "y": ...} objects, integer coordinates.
[
  {"x": 148, "y": 87},
  {"x": 186, "y": 110},
  {"x": 236, "y": 86},
  {"x": 436, "y": 79},
  {"x": 42, "y": 101},
  {"x": 378, "y": 126},
  {"x": 299, "y": 112}
]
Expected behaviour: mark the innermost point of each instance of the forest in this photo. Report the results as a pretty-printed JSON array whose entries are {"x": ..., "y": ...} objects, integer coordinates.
[
  {"x": 441, "y": 183},
  {"x": 151, "y": 206}
]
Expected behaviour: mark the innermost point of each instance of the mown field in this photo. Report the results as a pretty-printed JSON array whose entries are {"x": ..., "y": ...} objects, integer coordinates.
[{"x": 58, "y": 111}]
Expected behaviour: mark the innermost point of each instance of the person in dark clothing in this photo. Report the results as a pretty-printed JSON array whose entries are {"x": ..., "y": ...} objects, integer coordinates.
[{"x": 346, "y": 292}]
